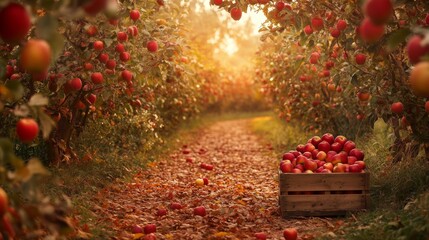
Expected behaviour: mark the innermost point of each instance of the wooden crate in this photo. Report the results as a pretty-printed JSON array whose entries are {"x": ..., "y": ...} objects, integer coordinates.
[{"x": 322, "y": 194}]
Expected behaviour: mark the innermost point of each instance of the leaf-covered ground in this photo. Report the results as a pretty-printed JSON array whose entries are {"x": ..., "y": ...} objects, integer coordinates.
[{"x": 240, "y": 199}]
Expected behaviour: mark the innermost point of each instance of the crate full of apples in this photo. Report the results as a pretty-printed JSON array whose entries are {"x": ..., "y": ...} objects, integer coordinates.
[
  {"x": 326, "y": 176},
  {"x": 326, "y": 154}
]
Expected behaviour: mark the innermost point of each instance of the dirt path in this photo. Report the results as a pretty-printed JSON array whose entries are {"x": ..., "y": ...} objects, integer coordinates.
[{"x": 241, "y": 198}]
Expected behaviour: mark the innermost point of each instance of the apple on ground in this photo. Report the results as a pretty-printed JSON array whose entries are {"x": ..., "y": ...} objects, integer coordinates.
[
  {"x": 199, "y": 182},
  {"x": 261, "y": 236},
  {"x": 149, "y": 228},
  {"x": 176, "y": 206},
  {"x": 290, "y": 234},
  {"x": 137, "y": 229},
  {"x": 200, "y": 211},
  {"x": 161, "y": 212}
]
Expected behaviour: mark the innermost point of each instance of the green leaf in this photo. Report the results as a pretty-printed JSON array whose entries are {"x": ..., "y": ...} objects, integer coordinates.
[
  {"x": 397, "y": 37},
  {"x": 38, "y": 100}
]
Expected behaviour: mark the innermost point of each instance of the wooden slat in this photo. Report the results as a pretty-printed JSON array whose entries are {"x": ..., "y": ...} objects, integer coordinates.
[
  {"x": 323, "y": 182},
  {"x": 335, "y": 202},
  {"x": 291, "y": 214}
]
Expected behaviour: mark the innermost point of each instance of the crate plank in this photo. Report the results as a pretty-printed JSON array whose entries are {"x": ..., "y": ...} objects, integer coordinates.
[
  {"x": 334, "y": 202},
  {"x": 323, "y": 182}
]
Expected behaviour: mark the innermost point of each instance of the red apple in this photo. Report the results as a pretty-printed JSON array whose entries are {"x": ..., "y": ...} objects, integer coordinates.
[
  {"x": 124, "y": 56},
  {"x": 308, "y": 30},
  {"x": 98, "y": 45},
  {"x": 74, "y": 84},
  {"x": 103, "y": 57},
  {"x": 308, "y": 171},
  {"x": 341, "y": 25},
  {"x": 120, "y": 48},
  {"x": 286, "y": 167},
  {"x": 94, "y": 6},
  {"x": 36, "y": 56},
  {"x": 111, "y": 64},
  {"x": 361, "y": 163},
  {"x": 127, "y": 75},
  {"x": 348, "y": 146},
  {"x": 122, "y": 36},
  {"x": 416, "y": 49},
  {"x": 360, "y": 58},
  {"x": 206, "y": 181},
  {"x": 307, "y": 154},
  {"x": 379, "y": 11},
  {"x": 357, "y": 153},
  {"x": 236, "y": 13},
  {"x": 97, "y": 78},
  {"x": 317, "y": 23},
  {"x": 200, "y": 211},
  {"x": 309, "y": 147},
  {"x": 335, "y": 33},
  {"x": 340, "y": 139},
  {"x": 134, "y": 15},
  {"x": 427, "y": 106},
  {"x": 27, "y": 130},
  {"x": 310, "y": 165},
  {"x": 397, "y": 107},
  {"x": 15, "y": 22},
  {"x": 261, "y": 236},
  {"x": 217, "y": 2},
  {"x": 326, "y": 171},
  {"x": 149, "y": 228},
  {"x": 280, "y": 5},
  {"x": 152, "y": 46},
  {"x": 92, "y": 98},
  {"x": 328, "y": 166},
  {"x": 351, "y": 160},
  {"x": 324, "y": 146},
  {"x": 300, "y": 167},
  {"x": 301, "y": 159},
  {"x": 295, "y": 153},
  {"x": 161, "y": 212},
  {"x": 329, "y": 138},
  {"x": 363, "y": 96},
  {"x": 369, "y": 32},
  {"x": 176, "y": 206},
  {"x": 137, "y": 229},
  {"x": 297, "y": 170},
  {"x": 314, "y": 57},
  {"x": 340, "y": 168},
  {"x": 321, "y": 155},
  {"x": 355, "y": 168},
  {"x": 290, "y": 234},
  {"x": 300, "y": 148},
  {"x": 314, "y": 154},
  {"x": 288, "y": 156},
  {"x": 337, "y": 147},
  {"x": 316, "y": 140}
]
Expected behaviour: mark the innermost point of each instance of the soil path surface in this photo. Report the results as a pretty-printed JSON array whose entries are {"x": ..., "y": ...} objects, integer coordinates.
[{"x": 240, "y": 199}]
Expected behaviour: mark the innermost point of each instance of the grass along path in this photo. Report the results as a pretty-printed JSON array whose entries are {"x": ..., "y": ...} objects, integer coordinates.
[{"x": 240, "y": 199}]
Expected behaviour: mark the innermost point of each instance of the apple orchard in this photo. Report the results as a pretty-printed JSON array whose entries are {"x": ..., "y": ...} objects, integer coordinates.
[{"x": 133, "y": 71}]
